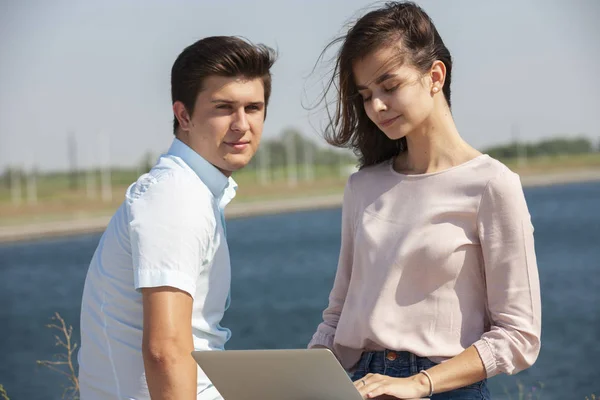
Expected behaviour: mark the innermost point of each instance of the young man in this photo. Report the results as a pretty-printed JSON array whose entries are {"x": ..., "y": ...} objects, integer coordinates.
[{"x": 158, "y": 284}]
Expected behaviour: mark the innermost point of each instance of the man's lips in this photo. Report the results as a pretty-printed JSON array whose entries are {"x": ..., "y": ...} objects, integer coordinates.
[{"x": 239, "y": 144}]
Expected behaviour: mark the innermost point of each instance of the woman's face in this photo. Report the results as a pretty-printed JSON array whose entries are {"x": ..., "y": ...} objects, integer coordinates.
[{"x": 398, "y": 99}]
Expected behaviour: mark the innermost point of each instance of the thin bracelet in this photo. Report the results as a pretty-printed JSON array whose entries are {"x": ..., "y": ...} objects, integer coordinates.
[{"x": 430, "y": 381}]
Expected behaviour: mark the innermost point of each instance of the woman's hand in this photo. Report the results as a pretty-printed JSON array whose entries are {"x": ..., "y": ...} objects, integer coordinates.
[{"x": 374, "y": 385}]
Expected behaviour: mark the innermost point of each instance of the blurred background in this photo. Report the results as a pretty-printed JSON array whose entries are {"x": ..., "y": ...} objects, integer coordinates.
[{"x": 85, "y": 109}]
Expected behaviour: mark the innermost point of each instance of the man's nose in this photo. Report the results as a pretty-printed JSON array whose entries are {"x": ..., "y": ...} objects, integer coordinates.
[{"x": 240, "y": 121}]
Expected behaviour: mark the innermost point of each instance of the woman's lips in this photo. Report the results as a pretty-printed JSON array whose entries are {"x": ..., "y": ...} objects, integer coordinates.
[{"x": 388, "y": 122}]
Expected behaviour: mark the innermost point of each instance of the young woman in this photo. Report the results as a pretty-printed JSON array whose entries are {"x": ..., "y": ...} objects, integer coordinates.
[{"x": 437, "y": 286}]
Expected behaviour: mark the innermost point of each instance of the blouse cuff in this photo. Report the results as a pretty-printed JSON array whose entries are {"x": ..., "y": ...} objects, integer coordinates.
[
  {"x": 322, "y": 339},
  {"x": 487, "y": 357}
]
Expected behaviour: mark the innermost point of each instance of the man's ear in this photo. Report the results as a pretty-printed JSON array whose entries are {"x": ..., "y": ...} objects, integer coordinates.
[{"x": 182, "y": 115}]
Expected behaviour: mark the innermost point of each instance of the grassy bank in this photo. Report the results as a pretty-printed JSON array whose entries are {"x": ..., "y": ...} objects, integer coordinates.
[
  {"x": 60, "y": 198},
  {"x": 554, "y": 164}
]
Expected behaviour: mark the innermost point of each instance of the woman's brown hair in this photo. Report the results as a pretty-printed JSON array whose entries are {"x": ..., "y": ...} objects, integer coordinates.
[{"x": 403, "y": 25}]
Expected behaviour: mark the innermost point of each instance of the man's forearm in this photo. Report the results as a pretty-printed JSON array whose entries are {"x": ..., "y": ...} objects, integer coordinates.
[{"x": 171, "y": 374}]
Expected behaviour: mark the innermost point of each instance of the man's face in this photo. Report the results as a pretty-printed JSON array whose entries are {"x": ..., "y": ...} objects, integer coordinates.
[{"x": 227, "y": 121}]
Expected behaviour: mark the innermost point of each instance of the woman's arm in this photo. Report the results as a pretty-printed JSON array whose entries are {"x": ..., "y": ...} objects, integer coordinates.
[
  {"x": 461, "y": 370},
  {"x": 513, "y": 290},
  {"x": 325, "y": 333}
]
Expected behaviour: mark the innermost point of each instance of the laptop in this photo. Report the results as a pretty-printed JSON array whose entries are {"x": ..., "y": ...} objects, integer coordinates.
[{"x": 307, "y": 374}]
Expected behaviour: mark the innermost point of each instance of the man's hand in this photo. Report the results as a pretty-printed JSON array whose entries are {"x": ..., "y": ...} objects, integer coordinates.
[
  {"x": 375, "y": 385},
  {"x": 171, "y": 372}
]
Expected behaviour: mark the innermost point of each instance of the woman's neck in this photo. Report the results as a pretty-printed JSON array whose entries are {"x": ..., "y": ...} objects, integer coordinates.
[{"x": 435, "y": 146}]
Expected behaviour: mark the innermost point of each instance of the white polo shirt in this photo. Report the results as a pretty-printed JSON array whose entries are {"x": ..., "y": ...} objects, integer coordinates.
[{"x": 169, "y": 231}]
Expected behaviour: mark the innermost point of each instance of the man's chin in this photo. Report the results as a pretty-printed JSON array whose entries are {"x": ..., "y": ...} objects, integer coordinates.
[{"x": 233, "y": 164}]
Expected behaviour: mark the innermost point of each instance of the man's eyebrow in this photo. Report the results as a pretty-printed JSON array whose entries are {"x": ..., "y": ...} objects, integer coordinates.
[
  {"x": 379, "y": 80},
  {"x": 226, "y": 101},
  {"x": 223, "y": 101}
]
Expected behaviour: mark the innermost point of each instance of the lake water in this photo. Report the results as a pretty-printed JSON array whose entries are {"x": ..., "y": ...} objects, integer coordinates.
[{"x": 283, "y": 269}]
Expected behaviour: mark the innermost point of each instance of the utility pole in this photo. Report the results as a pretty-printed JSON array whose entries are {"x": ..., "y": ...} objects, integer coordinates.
[
  {"x": 72, "y": 154},
  {"x": 292, "y": 170},
  {"x": 90, "y": 176},
  {"x": 31, "y": 178},
  {"x": 521, "y": 149},
  {"x": 15, "y": 187},
  {"x": 105, "y": 177},
  {"x": 309, "y": 171},
  {"x": 264, "y": 160}
]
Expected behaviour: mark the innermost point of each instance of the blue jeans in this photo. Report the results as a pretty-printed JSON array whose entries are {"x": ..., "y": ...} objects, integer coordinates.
[{"x": 402, "y": 364}]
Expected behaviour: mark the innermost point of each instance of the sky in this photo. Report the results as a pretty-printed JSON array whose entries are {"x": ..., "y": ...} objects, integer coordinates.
[{"x": 100, "y": 71}]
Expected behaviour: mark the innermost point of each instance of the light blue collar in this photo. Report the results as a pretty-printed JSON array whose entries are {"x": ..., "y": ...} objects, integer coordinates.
[{"x": 214, "y": 179}]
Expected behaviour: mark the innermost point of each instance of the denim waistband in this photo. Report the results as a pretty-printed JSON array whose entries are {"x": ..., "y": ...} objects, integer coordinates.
[{"x": 390, "y": 359}]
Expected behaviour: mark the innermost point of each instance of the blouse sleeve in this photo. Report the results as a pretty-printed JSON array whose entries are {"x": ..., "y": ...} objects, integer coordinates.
[
  {"x": 325, "y": 333},
  {"x": 513, "y": 291}
]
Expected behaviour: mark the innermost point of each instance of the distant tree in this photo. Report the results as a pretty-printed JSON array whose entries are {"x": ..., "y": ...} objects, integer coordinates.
[
  {"x": 9, "y": 175},
  {"x": 546, "y": 147},
  {"x": 320, "y": 156},
  {"x": 6, "y": 177}
]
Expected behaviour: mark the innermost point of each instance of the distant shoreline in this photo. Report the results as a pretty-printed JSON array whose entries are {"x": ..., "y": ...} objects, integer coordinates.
[{"x": 241, "y": 210}]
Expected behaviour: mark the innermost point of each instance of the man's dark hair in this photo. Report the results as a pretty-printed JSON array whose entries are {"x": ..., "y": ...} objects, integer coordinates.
[{"x": 226, "y": 56}]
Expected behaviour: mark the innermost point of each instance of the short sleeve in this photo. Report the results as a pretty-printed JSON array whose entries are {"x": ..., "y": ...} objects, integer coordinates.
[{"x": 171, "y": 227}]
